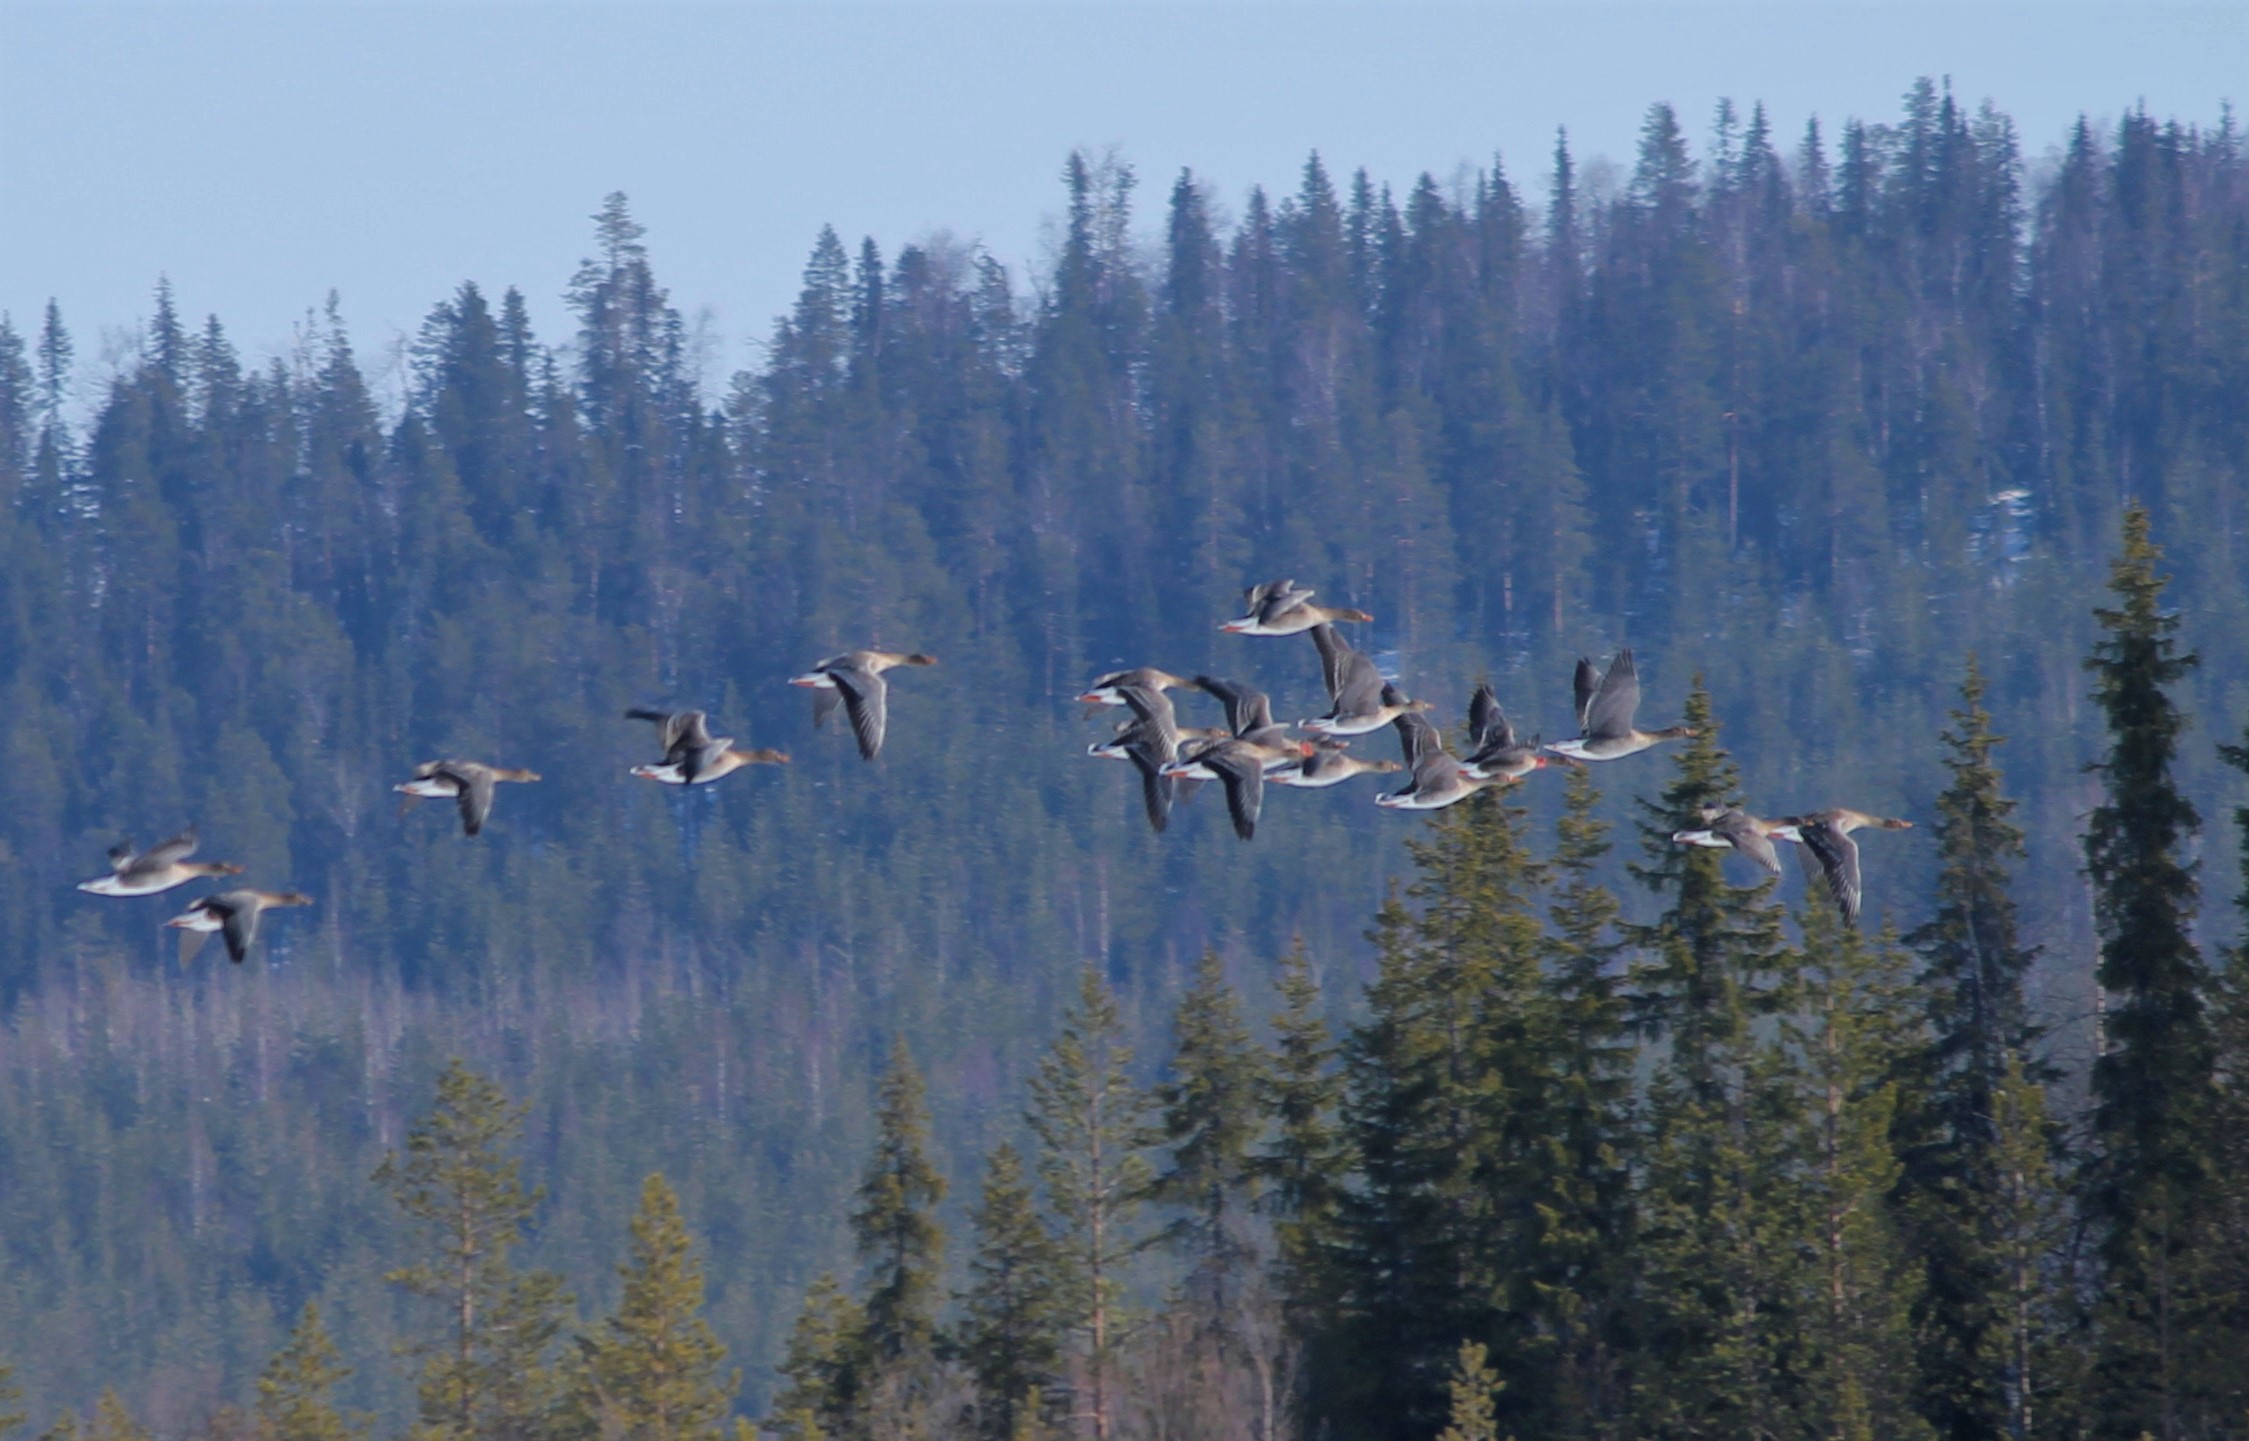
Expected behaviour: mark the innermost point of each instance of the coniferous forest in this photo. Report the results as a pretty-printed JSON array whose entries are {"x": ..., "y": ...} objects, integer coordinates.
[{"x": 940, "y": 1097}]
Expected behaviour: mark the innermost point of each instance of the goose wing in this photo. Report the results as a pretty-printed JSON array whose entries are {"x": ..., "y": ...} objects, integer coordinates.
[
  {"x": 1487, "y": 723},
  {"x": 239, "y": 927},
  {"x": 191, "y": 944},
  {"x": 1416, "y": 737},
  {"x": 1155, "y": 787},
  {"x": 1244, "y": 777},
  {"x": 1838, "y": 858},
  {"x": 474, "y": 795},
  {"x": 1613, "y": 705},
  {"x": 1246, "y": 708},
  {"x": 158, "y": 856},
  {"x": 1738, "y": 831},
  {"x": 1358, "y": 685},
  {"x": 1584, "y": 683},
  {"x": 866, "y": 700},
  {"x": 1332, "y": 648}
]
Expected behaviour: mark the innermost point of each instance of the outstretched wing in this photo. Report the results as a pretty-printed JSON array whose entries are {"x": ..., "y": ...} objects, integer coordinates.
[
  {"x": 473, "y": 794},
  {"x": 191, "y": 944},
  {"x": 178, "y": 848},
  {"x": 1246, "y": 709},
  {"x": 1617, "y": 701},
  {"x": 1838, "y": 858},
  {"x": 1332, "y": 648},
  {"x": 1155, "y": 787},
  {"x": 1244, "y": 778},
  {"x": 866, "y": 700},
  {"x": 239, "y": 928},
  {"x": 1734, "y": 826},
  {"x": 1358, "y": 685},
  {"x": 1416, "y": 736},
  {"x": 1584, "y": 682},
  {"x": 121, "y": 855},
  {"x": 1487, "y": 723}
]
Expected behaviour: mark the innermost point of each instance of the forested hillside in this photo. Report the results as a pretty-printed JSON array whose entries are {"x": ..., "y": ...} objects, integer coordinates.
[{"x": 1806, "y": 421}]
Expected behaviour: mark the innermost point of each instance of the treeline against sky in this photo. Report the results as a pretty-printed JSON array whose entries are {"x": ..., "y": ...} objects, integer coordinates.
[{"x": 1809, "y": 418}]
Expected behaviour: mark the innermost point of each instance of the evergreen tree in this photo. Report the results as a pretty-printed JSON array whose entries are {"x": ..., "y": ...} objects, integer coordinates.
[
  {"x": 1302, "y": 1164},
  {"x": 1582, "y": 1274},
  {"x": 1980, "y": 1031},
  {"x": 1475, "y": 1388},
  {"x": 296, "y": 1391},
  {"x": 1721, "y": 1194},
  {"x": 652, "y": 1371},
  {"x": 488, "y": 1375},
  {"x": 893, "y": 1223},
  {"x": 824, "y": 1365},
  {"x": 1210, "y": 1121},
  {"x": 2152, "y": 1086},
  {"x": 1011, "y": 1313},
  {"x": 1093, "y": 1138}
]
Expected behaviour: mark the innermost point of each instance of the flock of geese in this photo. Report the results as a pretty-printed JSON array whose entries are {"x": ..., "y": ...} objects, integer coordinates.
[
  {"x": 1245, "y": 754},
  {"x": 1251, "y": 750}
]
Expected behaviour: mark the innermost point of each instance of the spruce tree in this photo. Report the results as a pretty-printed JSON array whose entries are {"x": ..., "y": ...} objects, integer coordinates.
[
  {"x": 894, "y": 1225},
  {"x": 1090, "y": 1120},
  {"x": 1474, "y": 1389},
  {"x": 487, "y": 1374},
  {"x": 1582, "y": 1272},
  {"x": 1980, "y": 1031},
  {"x": 2152, "y": 1087},
  {"x": 824, "y": 1365},
  {"x": 1210, "y": 1121},
  {"x": 1443, "y": 1117},
  {"x": 296, "y": 1391},
  {"x": 1721, "y": 1199},
  {"x": 11, "y": 1396},
  {"x": 1302, "y": 1165},
  {"x": 651, "y": 1373},
  {"x": 1011, "y": 1318}
]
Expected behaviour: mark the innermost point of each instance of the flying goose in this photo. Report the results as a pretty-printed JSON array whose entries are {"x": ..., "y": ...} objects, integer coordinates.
[
  {"x": 854, "y": 681},
  {"x": 159, "y": 868},
  {"x": 1240, "y": 763},
  {"x": 1827, "y": 839},
  {"x": 1109, "y": 689},
  {"x": 468, "y": 782},
  {"x": 1282, "y": 607},
  {"x": 234, "y": 914},
  {"x": 1362, "y": 701},
  {"x": 692, "y": 756},
  {"x": 1437, "y": 778},
  {"x": 1328, "y": 764},
  {"x": 1732, "y": 828},
  {"x": 1606, "y": 702},
  {"x": 1496, "y": 749}
]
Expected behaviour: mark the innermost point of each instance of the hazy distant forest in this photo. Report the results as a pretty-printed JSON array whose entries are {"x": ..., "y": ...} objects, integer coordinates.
[{"x": 979, "y": 1109}]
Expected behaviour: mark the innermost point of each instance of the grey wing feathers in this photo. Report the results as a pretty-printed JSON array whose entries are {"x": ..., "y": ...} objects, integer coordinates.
[
  {"x": 1246, "y": 709},
  {"x": 1416, "y": 736},
  {"x": 1359, "y": 686},
  {"x": 1244, "y": 777},
  {"x": 866, "y": 701},
  {"x": 239, "y": 929},
  {"x": 178, "y": 848},
  {"x": 473, "y": 794},
  {"x": 1584, "y": 682},
  {"x": 1332, "y": 648},
  {"x": 1838, "y": 857},
  {"x": 121, "y": 855},
  {"x": 1618, "y": 699},
  {"x": 824, "y": 703},
  {"x": 1487, "y": 723},
  {"x": 1735, "y": 828}
]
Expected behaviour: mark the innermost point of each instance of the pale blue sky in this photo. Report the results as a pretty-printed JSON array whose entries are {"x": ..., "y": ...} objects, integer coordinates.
[{"x": 260, "y": 154}]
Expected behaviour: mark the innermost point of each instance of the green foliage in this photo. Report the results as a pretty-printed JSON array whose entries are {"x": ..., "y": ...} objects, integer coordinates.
[
  {"x": 1474, "y": 1387},
  {"x": 1091, "y": 1123},
  {"x": 824, "y": 1365},
  {"x": 10, "y": 1395},
  {"x": 2152, "y": 1084},
  {"x": 296, "y": 1391},
  {"x": 651, "y": 1373},
  {"x": 487, "y": 1369},
  {"x": 1303, "y": 1162},
  {"x": 1210, "y": 1122},
  {"x": 1011, "y": 1313},
  {"x": 894, "y": 1224}
]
